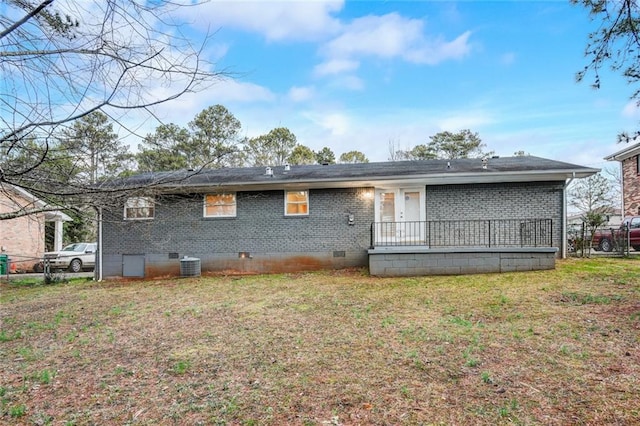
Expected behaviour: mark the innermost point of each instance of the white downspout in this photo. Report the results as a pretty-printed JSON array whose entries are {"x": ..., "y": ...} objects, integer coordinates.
[
  {"x": 623, "y": 212},
  {"x": 99, "y": 271},
  {"x": 564, "y": 215}
]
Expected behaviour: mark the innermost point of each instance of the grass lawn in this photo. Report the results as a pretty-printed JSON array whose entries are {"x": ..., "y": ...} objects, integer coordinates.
[{"x": 327, "y": 348}]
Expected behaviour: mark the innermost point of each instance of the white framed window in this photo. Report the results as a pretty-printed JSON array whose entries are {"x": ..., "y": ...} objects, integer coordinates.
[
  {"x": 220, "y": 205},
  {"x": 138, "y": 208},
  {"x": 296, "y": 203}
]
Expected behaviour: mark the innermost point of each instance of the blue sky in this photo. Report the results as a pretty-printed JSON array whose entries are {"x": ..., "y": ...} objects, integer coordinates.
[{"x": 359, "y": 74}]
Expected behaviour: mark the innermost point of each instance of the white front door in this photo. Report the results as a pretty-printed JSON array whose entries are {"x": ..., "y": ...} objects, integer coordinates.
[{"x": 400, "y": 215}]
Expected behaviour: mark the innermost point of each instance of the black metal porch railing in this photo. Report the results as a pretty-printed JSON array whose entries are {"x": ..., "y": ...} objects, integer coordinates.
[{"x": 464, "y": 233}]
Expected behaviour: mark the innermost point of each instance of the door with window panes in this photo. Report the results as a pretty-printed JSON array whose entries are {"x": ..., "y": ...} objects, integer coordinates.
[{"x": 400, "y": 216}]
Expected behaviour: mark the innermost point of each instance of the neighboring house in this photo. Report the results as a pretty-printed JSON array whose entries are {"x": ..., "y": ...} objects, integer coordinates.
[
  {"x": 22, "y": 238},
  {"x": 629, "y": 159},
  {"x": 397, "y": 218},
  {"x": 612, "y": 216}
]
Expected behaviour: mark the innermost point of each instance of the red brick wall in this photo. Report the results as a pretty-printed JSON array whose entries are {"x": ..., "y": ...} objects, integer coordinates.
[
  {"x": 22, "y": 238},
  {"x": 631, "y": 186}
]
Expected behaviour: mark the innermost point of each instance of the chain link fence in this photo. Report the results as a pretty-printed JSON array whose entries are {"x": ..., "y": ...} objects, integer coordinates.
[{"x": 583, "y": 242}]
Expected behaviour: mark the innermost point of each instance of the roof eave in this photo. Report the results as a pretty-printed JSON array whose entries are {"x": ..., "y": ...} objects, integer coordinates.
[
  {"x": 624, "y": 154},
  {"x": 51, "y": 214}
]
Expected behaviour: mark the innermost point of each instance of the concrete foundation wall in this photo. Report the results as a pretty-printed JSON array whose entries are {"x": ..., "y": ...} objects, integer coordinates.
[
  {"x": 416, "y": 262},
  {"x": 158, "y": 264}
]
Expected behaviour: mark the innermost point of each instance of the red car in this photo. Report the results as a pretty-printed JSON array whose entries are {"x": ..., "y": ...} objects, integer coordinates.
[{"x": 607, "y": 240}]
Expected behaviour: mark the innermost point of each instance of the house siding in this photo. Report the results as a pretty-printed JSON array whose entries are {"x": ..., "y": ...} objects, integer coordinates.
[
  {"x": 540, "y": 200},
  {"x": 22, "y": 238},
  {"x": 631, "y": 186},
  {"x": 274, "y": 242}
]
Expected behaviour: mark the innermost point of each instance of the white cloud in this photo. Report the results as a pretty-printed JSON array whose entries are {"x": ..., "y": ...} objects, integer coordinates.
[
  {"x": 464, "y": 120},
  {"x": 393, "y": 36},
  {"x": 438, "y": 50},
  {"x": 225, "y": 92},
  {"x": 348, "y": 82},
  {"x": 337, "y": 124},
  {"x": 275, "y": 20},
  {"x": 385, "y": 36},
  {"x": 631, "y": 110},
  {"x": 301, "y": 94},
  {"x": 336, "y": 66},
  {"x": 235, "y": 91},
  {"x": 345, "y": 130},
  {"x": 217, "y": 51}
]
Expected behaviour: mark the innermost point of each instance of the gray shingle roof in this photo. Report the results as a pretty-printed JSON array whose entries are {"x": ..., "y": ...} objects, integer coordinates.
[{"x": 446, "y": 171}]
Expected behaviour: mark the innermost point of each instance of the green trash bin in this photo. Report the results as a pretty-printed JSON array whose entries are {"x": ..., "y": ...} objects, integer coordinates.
[{"x": 4, "y": 264}]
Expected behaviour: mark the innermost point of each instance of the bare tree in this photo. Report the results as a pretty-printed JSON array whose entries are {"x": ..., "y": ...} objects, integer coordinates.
[
  {"x": 591, "y": 194},
  {"x": 62, "y": 61},
  {"x": 614, "y": 174},
  {"x": 594, "y": 198},
  {"x": 395, "y": 152}
]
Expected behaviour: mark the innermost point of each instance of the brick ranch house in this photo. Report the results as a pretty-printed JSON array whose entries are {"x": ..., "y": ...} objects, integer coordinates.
[
  {"x": 397, "y": 218},
  {"x": 629, "y": 159},
  {"x": 22, "y": 238}
]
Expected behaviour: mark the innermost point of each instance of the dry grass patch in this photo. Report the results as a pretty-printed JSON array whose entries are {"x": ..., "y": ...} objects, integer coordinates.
[{"x": 552, "y": 347}]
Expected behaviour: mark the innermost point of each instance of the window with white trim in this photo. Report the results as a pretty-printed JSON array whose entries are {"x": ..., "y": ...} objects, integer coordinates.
[
  {"x": 220, "y": 205},
  {"x": 137, "y": 208},
  {"x": 296, "y": 203}
]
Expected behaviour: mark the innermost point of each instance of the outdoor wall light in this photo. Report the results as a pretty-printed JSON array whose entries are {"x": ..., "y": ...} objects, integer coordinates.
[
  {"x": 367, "y": 194},
  {"x": 351, "y": 219}
]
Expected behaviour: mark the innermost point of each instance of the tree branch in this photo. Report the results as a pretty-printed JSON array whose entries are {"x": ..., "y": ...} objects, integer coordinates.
[{"x": 25, "y": 18}]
